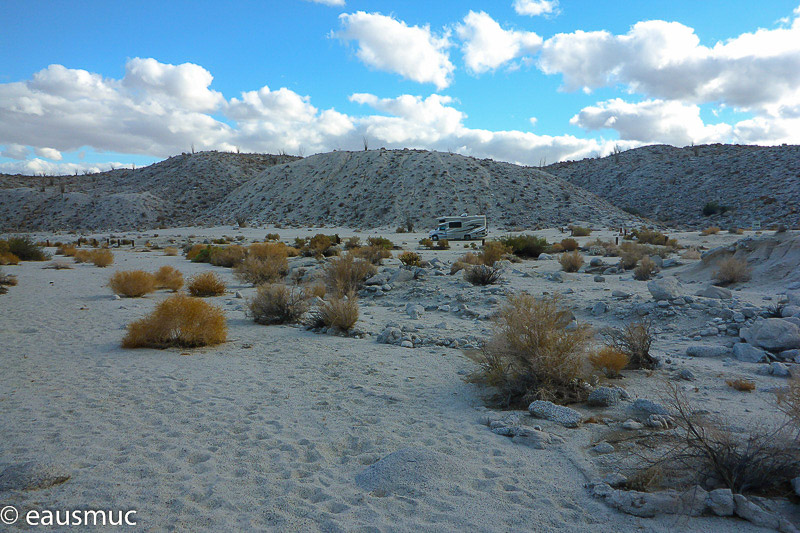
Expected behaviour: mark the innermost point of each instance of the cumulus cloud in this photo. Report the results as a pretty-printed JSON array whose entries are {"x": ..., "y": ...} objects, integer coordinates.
[
  {"x": 15, "y": 151},
  {"x": 388, "y": 44},
  {"x": 48, "y": 153},
  {"x": 535, "y": 8},
  {"x": 486, "y": 45},
  {"x": 38, "y": 166},
  {"x": 653, "y": 121}
]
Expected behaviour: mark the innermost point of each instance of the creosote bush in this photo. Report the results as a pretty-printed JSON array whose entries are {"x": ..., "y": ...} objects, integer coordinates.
[
  {"x": 345, "y": 274},
  {"x": 171, "y": 251},
  {"x": 645, "y": 269},
  {"x": 7, "y": 258},
  {"x": 571, "y": 261},
  {"x": 609, "y": 360},
  {"x": 352, "y": 242},
  {"x": 132, "y": 283},
  {"x": 525, "y": 246},
  {"x": 336, "y": 312},
  {"x": 634, "y": 340},
  {"x": 257, "y": 270},
  {"x": 102, "y": 257},
  {"x": 481, "y": 274},
  {"x": 228, "y": 256},
  {"x": 649, "y": 236},
  {"x": 731, "y": 270},
  {"x": 532, "y": 355},
  {"x": 442, "y": 244},
  {"x": 24, "y": 248},
  {"x": 277, "y": 304},
  {"x": 178, "y": 321},
  {"x": 579, "y": 231},
  {"x": 711, "y": 230},
  {"x": 206, "y": 284},
  {"x": 410, "y": 259},
  {"x": 427, "y": 243},
  {"x": 373, "y": 253},
  {"x": 382, "y": 242},
  {"x": 493, "y": 251},
  {"x": 169, "y": 278},
  {"x": 569, "y": 244}
]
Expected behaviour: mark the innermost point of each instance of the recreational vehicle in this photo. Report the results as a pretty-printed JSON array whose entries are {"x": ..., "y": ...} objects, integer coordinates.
[{"x": 466, "y": 227}]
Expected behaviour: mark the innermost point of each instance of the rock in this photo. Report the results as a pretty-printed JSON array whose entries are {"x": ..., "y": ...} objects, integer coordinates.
[
  {"x": 534, "y": 438},
  {"x": 669, "y": 263},
  {"x": 748, "y": 354},
  {"x": 790, "y": 311},
  {"x": 648, "y": 407},
  {"x": 780, "y": 370},
  {"x": 390, "y": 335},
  {"x": 239, "y": 295},
  {"x": 615, "y": 479},
  {"x": 414, "y": 310},
  {"x": 720, "y": 502},
  {"x": 796, "y": 485},
  {"x": 401, "y": 275},
  {"x": 664, "y": 288},
  {"x": 718, "y": 293},
  {"x": 751, "y": 512},
  {"x": 544, "y": 257},
  {"x": 790, "y": 355},
  {"x": 793, "y": 297},
  {"x": 378, "y": 279},
  {"x": 599, "y": 279},
  {"x": 607, "y": 396},
  {"x": 565, "y": 416},
  {"x": 686, "y": 374},
  {"x": 700, "y": 350},
  {"x": 602, "y": 449},
  {"x": 622, "y": 295},
  {"x": 691, "y": 502},
  {"x": 596, "y": 262},
  {"x": 659, "y": 421},
  {"x": 772, "y": 334},
  {"x": 31, "y": 476},
  {"x": 558, "y": 277},
  {"x": 116, "y": 297},
  {"x": 631, "y": 425},
  {"x": 407, "y": 344},
  {"x": 410, "y": 471},
  {"x": 599, "y": 308}
]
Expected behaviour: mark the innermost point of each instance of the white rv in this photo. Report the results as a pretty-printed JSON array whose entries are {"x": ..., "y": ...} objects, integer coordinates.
[{"x": 466, "y": 227}]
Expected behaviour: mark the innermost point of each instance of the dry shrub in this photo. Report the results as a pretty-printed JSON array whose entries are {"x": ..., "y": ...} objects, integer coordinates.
[
  {"x": 277, "y": 304},
  {"x": 352, "y": 242},
  {"x": 82, "y": 256},
  {"x": 382, "y": 242},
  {"x": 171, "y": 251},
  {"x": 320, "y": 245},
  {"x": 228, "y": 257},
  {"x": 789, "y": 400},
  {"x": 648, "y": 236},
  {"x": 272, "y": 237},
  {"x": 742, "y": 385},
  {"x": 7, "y": 258},
  {"x": 604, "y": 248},
  {"x": 169, "y": 278},
  {"x": 268, "y": 250},
  {"x": 492, "y": 252},
  {"x": 631, "y": 253},
  {"x": 345, "y": 274},
  {"x": 731, "y": 270},
  {"x": 481, "y": 274},
  {"x": 571, "y": 261},
  {"x": 58, "y": 264},
  {"x": 532, "y": 355},
  {"x": 206, "y": 284},
  {"x": 645, "y": 269},
  {"x": 691, "y": 254},
  {"x": 711, "y": 230},
  {"x": 410, "y": 259},
  {"x": 579, "y": 231},
  {"x": 132, "y": 283},
  {"x": 634, "y": 340},
  {"x": 194, "y": 251},
  {"x": 373, "y": 253},
  {"x": 102, "y": 257},
  {"x": 762, "y": 459},
  {"x": 525, "y": 246},
  {"x": 178, "y": 321},
  {"x": 314, "y": 290},
  {"x": 67, "y": 250},
  {"x": 442, "y": 244},
  {"x": 340, "y": 313},
  {"x": 427, "y": 243},
  {"x": 569, "y": 245},
  {"x": 267, "y": 269},
  {"x": 609, "y": 360},
  {"x": 7, "y": 279}
]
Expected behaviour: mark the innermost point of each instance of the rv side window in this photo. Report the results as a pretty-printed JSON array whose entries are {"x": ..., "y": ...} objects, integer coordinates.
[{"x": 455, "y": 224}]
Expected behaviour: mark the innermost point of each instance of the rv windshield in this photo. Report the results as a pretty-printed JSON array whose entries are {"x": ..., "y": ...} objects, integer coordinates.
[{"x": 443, "y": 227}]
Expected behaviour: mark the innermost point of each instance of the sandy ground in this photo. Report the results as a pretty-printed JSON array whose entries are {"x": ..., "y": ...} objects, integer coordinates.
[{"x": 271, "y": 430}]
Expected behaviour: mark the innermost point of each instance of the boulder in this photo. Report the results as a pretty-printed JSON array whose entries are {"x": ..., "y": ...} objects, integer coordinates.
[
  {"x": 599, "y": 308},
  {"x": 401, "y": 275},
  {"x": 607, "y": 396},
  {"x": 718, "y": 293},
  {"x": 414, "y": 310},
  {"x": 748, "y": 354},
  {"x": 565, "y": 416},
  {"x": 646, "y": 407},
  {"x": 772, "y": 334},
  {"x": 664, "y": 288},
  {"x": 699, "y": 350},
  {"x": 720, "y": 502}
]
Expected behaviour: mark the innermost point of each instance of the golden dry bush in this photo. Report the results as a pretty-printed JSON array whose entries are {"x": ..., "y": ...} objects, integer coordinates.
[
  {"x": 410, "y": 259},
  {"x": 102, "y": 257},
  {"x": 345, "y": 274},
  {"x": 277, "y": 304},
  {"x": 469, "y": 258},
  {"x": 571, "y": 261},
  {"x": 492, "y": 252},
  {"x": 336, "y": 312},
  {"x": 569, "y": 244},
  {"x": 7, "y": 258},
  {"x": 609, "y": 360},
  {"x": 206, "y": 284},
  {"x": 691, "y": 254},
  {"x": 711, "y": 230},
  {"x": 132, "y": 283},
  {"x": 194, "y": 251},
  {"x": 742, "y": 385},
  {"x": 82, "y": 256},
  {"x": 375, "y": 254},
  {"x": 257, "y": 270},
  {"x": 178, "y": 321},
  {"x": 8, "y": 279},
  {"x": 789, "y": 400},
  {"x": 579, "y": 231},
  {"x": 731, "y": 270},
  {"x": 532, "y": 355},
  {"x": 171, "y": 251},
  {"x": 314, "y": 290},
  {"x": 169, "y": 278},
  {"x": 67, "y": 250},
  {"x": 227, "y": 256},
  {"x": 645, "y": 269}
]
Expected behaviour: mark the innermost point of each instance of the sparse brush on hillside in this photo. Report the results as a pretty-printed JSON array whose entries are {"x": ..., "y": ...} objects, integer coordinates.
[
  {"x": 169, "y": 278},
  {"x": 337, "y": 312},
  {"x": 277, "y": 304},
  {"x": 645, "y": 269},
  {"x": 320, "y": 245},
  {"x": 132, "y": 283},
  {"x": 571, "y": 261},
  {"x": 525, "y": 246},
  {"x": 532, "y": 355},
  {"x": 410, "y": 259},
  {"x": 178, "y": 321},
  {"x": 731, "y": 270},
  {"x": 206, "y": 284},
  {"x": 345, "y": 274}
]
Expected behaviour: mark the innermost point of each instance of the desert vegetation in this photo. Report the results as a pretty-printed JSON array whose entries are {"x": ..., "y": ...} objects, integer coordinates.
[
  {"x": 17, "y": 249},
  {"x": 571, "y": 261},
  {"x": 731, "y": 270},
  {"x": 132, "y": 283},
  {"x": 277, "y": 304},
  {"x": 634, "y": 340},
  {"x": 169, "y": 278},
  {"x": 346, "y": 274},
  {"x": 206, "y": 284},
  {"x": 336, "y": 312},
  {"x": 525, "y": 246},
  {"x": 178, "y": 321}
]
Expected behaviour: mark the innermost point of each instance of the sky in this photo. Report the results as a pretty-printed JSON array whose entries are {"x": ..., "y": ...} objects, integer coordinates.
[{"x": 91, "y": 85}]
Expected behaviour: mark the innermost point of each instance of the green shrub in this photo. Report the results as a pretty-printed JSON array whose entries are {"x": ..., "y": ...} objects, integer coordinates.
[
  {"x": 410, "y": 259},
  {"x": 579, "y": 231},
  {"x": 25, "y": 249},
  {"x": 713, "y": 208},
  {"x": 525, "y": 246},
  {"x": 381, "y": 242}
]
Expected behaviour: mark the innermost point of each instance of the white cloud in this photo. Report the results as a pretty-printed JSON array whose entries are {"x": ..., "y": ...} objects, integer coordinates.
[
  {"x": 535, "y": 8},
  {"x": 38, "y": 166},
  {"x": 653, "y": 121},
  {"x": 391, "y": 45},
  {"x": 328, "y": 2},
  {"x": 15, "y": 151},
  {"x": 488, "y": 46},
  {"x": 48, "y": 153}
]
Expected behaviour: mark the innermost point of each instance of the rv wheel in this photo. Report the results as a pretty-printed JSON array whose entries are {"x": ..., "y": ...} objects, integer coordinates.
[
  {"x": 435, "y": 238},
  {"x": 467, "y": 237}
]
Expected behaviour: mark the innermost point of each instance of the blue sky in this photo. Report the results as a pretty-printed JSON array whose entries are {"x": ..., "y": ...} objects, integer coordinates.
[{"x": 134, "y": 82}]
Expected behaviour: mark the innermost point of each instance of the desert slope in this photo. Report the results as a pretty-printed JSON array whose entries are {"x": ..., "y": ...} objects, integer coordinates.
[
  {"x": 757, "y": 183},
  {"x": 384, "y": 187}
]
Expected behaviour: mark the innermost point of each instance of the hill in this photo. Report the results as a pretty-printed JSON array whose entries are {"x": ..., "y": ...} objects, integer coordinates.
[{"x": 749, "y": 184}]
